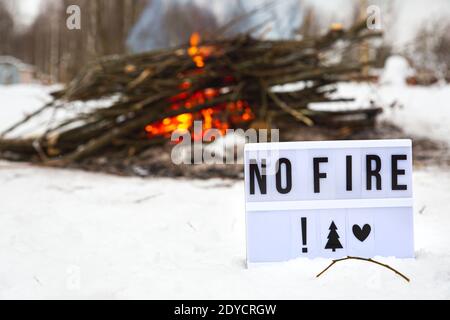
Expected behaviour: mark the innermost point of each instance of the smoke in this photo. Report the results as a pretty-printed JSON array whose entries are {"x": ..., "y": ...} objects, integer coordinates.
[
  {"x": 147, "y": 33},
  {"x": 166, "y": 23}
]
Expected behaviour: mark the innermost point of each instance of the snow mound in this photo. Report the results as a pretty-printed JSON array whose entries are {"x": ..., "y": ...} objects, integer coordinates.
[{"x": 396, "y": 71}]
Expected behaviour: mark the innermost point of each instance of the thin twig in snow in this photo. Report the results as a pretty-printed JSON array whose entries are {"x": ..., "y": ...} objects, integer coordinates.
[
  {"x": 364, "y": 259},
  {"x": 37, "y": 280},
  {"x": 148, "y": 198}
]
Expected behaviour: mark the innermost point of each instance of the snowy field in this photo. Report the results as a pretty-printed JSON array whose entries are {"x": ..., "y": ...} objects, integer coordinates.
[{"x": 71, "y": 234}]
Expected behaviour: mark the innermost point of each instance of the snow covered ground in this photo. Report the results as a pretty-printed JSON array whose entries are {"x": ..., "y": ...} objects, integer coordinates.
[
  {"x": 18, "y": 100},
  {"x": 71, "y": 234},
  {"x": 419, "y": 111}
]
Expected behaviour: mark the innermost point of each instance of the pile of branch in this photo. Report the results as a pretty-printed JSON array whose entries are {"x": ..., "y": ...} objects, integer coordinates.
[{"x": 241, "y": 68}]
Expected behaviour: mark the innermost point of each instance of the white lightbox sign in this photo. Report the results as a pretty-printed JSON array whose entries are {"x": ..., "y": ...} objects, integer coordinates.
[{"x": 328, "y": 199}]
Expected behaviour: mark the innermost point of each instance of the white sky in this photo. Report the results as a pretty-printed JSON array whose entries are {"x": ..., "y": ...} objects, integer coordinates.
[
  {"x": 27, "y": 10},
  {"x": 410, "y": 14},
  {"x": 400, "y": 18}
]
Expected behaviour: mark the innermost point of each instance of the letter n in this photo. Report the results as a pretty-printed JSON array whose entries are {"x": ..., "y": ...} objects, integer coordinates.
[{"x": 259, "y": 175}]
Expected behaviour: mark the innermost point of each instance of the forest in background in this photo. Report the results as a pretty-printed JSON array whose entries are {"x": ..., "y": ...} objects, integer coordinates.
[{"x": 59, "y": 53}]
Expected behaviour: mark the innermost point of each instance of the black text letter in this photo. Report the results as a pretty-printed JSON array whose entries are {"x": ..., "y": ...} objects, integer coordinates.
[
  {"x": 373, "y": 172},
  {"x": 262, "y": 178},
  {"x": 318, "y": 175},
  {"x": 288, "y": 166},
  {"x": 397, "y": 172},
  {"x": 349, "y": 173}
]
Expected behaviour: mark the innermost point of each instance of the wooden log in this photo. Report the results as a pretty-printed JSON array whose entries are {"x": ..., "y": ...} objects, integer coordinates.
[{"x": 139, "y": 122}]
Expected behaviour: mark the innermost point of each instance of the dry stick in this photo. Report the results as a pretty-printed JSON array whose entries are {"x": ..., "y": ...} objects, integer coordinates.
[
  {"x": 17, "y": 145},
  {"x": 264, "y": 102},
  {"x": 364, "y": 259},
  {"x": 296, "y": 114},
  {"x": 25, "y": 119},
  {"x": 97, "y": 143},
  {"x": 40, "y": 152},
  {"x": 242, "y": 17}
]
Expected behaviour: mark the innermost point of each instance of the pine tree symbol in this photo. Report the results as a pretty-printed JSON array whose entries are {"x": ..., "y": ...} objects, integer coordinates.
[{"x": 333, "y": 238}]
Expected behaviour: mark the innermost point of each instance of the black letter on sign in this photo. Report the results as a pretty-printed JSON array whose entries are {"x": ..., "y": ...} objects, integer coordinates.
[
  {"x": 262, "y": 178},
  {"x": 288, "y": 166},
  {"x": 349, "y": 173},
  {"x": 370, "y": 172},
  {"x": 318, "y": 175},
  {"x": 397, "y": 172}
]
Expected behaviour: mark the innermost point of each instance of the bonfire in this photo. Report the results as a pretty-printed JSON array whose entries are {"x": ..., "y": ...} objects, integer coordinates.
[{"x": 225, "y": 83}]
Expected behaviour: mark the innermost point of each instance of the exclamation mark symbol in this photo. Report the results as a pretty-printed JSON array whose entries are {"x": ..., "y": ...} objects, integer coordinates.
[{"x": 305, "y": 249}]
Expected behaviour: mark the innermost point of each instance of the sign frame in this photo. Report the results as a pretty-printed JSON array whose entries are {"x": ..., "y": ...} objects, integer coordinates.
[{"x": 396, "y": 205}]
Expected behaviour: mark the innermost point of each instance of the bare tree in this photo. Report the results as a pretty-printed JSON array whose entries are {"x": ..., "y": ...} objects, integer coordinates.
[
  {"x": 60, "y": 52},
  {"x": 6, "y": 29},
  {"x": 429, "y": 50}
]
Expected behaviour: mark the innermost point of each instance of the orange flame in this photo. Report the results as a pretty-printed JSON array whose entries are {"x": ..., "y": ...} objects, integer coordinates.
[
  {"x": 220, "y": 116},
  {"x": 194, "y": 50},
  {"x": 198, "y": 53}
]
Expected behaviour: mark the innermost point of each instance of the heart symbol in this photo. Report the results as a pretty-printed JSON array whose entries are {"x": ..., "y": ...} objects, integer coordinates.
[{"x": 361, "y": 234}]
